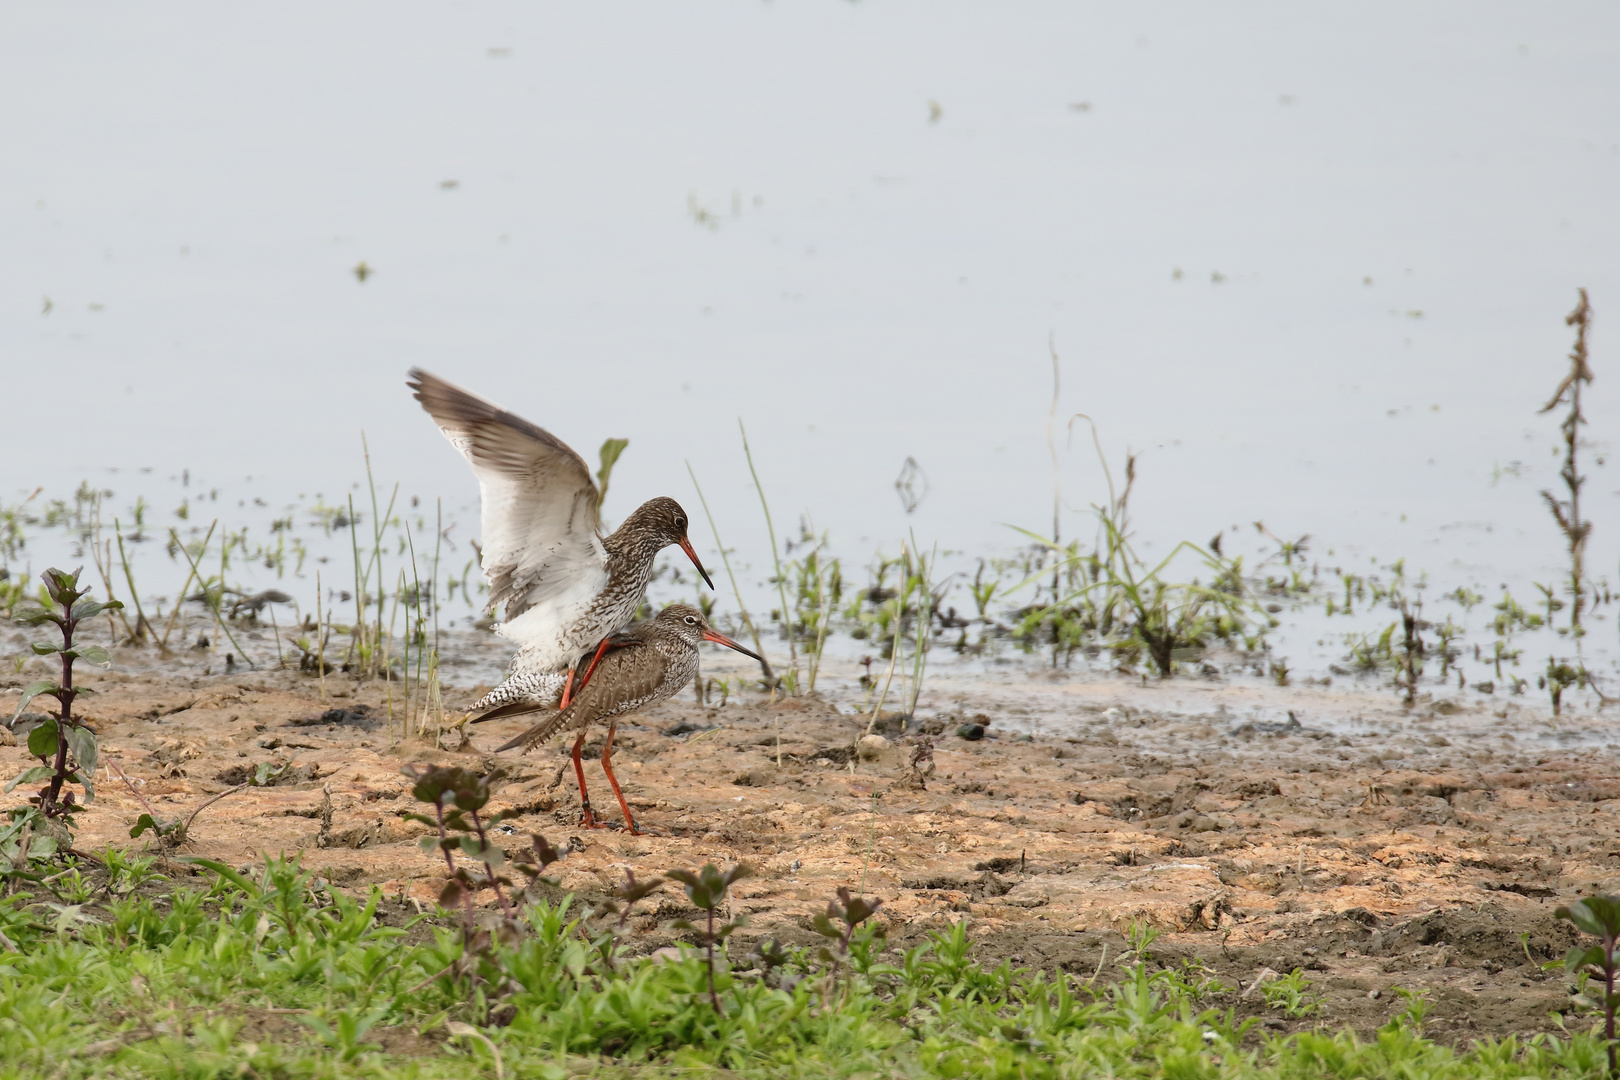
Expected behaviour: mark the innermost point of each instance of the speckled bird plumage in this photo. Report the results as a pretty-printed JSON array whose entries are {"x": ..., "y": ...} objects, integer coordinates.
[
  {"x": 650, "y": 661},
  {"x": 628, "y": 671},
  {"x": 564, "y": 586}
]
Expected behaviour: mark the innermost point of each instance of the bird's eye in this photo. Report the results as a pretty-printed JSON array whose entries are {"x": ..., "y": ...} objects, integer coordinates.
[{"x": 691, "y": 620}]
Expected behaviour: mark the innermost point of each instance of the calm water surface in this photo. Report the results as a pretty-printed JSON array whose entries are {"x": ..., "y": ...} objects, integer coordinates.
[{"x": 1310, "y": 265}]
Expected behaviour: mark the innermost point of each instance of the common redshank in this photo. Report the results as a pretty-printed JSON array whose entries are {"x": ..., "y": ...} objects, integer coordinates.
[
  {"x": 564, "y": 584},
  {"x": 646, "y": 663}
]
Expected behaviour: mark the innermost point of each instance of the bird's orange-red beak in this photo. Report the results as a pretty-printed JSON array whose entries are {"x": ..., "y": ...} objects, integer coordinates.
[
  {"x": 686, "y": 546},
  {"x": 720, "y": 639}
]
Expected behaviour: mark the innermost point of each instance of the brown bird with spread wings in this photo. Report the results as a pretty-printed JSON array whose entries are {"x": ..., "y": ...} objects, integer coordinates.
[{"x": 564, "y": 584}]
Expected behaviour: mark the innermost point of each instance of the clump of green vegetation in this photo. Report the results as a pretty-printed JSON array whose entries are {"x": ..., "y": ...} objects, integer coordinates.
[
  {"x": 273, "y": 973},
  {"x": 817, "y": 579},
  {"x": 1292, "y": 995},
  {"x": 1558, "y": 678},
  {"x": 1126, "y": 605}
]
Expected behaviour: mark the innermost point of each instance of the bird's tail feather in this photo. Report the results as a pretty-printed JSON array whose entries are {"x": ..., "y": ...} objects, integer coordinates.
[
  {"x": 511, "y": 709},
  {"x": 542, "y": 731}
]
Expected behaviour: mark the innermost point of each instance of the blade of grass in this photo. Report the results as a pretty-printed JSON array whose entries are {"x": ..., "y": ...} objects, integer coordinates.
[
  {"x": 320, "y": 634},
  {"x": 924, "y": 624},
  {"x": 218, "y": 619},
  {"x": 416, "y": 581},
  {"x": 735, "y": 591},
  {"x": 141, "y": 625},
  {"x": 776, "y": 561},
  {"x": 357, "y": 636},
  {"x": 894, "y": 647},
  {"x": 275, "y": 628}
]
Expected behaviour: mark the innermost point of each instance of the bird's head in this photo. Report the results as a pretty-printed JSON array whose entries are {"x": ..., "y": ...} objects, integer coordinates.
[
  {"x": 688, "y": 624},
  {"x": 662, "y": 522}
]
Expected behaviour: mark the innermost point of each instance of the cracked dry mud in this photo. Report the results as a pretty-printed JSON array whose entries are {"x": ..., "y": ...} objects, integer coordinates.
[{"x": 1373, "y": 847}]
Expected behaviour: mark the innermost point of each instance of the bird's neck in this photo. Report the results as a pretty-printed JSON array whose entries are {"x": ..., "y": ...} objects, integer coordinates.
[{"x": 630, "y": 555}]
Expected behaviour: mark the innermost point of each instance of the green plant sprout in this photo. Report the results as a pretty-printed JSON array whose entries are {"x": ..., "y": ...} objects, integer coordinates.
[{"x": 706, "y": 889}]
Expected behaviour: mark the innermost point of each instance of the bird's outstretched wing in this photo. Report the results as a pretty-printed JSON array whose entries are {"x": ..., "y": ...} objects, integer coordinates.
[{"x": 542, "y": 552}]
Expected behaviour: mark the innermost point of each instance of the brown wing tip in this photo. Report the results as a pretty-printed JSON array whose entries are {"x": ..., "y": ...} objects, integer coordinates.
[
  {"x": 445, "y": 401},
  {"x": 417, "y": 380}
]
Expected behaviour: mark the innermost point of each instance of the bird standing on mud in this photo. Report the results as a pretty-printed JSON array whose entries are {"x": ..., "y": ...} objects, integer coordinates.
[
  {"x": 565, "y": 586},
  {"x": 646, "y": 663}
]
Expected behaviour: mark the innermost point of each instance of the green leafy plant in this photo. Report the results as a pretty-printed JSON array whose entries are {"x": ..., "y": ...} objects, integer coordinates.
[
  {"x": 66, "y": 748},
  {"x": 609, "y": 454},
  {"x": 127, "y": 871},
  {"x": 839, "y": 924},
  {"x": 706, "y": 889},
  {"x": 22, "y": 846},
  {"x": 1600, "y": 917},
  {"x": 621, "y": 902},
  {"x": 1139, "y": 939},
  {"x": 1416, "y": 1012},
  {"x": 457, "y": 795},
  {"x": 1291, "y": 993},
  {"x": 1558, "y": 678}
]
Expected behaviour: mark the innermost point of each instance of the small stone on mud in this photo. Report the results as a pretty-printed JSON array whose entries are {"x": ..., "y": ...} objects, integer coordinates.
[
  {"x": 871, "y": 747},
  {"x": 971, "y": 732}
]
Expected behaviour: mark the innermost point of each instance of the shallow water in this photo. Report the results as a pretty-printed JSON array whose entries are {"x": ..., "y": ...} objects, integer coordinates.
[{"x": 1312, "y": 266}]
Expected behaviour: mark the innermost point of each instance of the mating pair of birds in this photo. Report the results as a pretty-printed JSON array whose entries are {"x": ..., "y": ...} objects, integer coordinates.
[{"x": 569, "y": 591}]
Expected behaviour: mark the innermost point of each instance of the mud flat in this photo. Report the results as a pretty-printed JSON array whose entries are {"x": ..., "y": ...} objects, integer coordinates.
[{"x": 1373, "y": 847}]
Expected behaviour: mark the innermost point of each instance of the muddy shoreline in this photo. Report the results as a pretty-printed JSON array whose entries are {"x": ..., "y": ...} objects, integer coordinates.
[{"x": 1374, "y": 848}]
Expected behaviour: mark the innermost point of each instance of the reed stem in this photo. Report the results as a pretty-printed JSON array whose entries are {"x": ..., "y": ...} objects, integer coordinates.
[
  {"x": 219, "y": 621},
  {"x": 320, "y": 635},
  {"x": 770, "y": 679},
  {"x": 776, "y": 561},
  {"x": 141, "y": 625},
  {"x": 164, "y": 644}
]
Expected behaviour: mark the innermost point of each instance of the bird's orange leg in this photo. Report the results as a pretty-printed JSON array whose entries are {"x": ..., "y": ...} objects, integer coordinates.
[
  {"x": 587, "y": 818},
  {"x": 590, "y": 669},
  {"x": 568, "y": 687},
  {"x": 607, "y": 767}
]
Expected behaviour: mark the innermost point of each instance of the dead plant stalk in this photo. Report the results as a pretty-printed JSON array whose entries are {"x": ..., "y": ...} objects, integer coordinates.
[{"x": 1567, "y": 512}]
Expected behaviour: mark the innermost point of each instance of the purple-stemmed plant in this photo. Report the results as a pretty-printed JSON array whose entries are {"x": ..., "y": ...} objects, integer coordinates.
[
  {"x": 65, "y": 747},
  {"x": 1600, "y": 917},
  {"x": 706, "y": 889}
]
